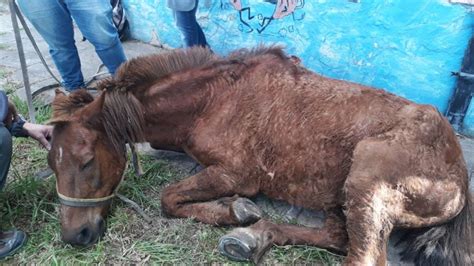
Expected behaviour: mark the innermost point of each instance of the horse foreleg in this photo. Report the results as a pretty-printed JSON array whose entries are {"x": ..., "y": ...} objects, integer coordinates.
[
  {"x": 251, "y": 243},
  {"x": 212, "y": 196}
]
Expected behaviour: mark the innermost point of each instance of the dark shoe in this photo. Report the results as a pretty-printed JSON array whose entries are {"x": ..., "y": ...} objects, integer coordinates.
[{"x": 11, "y": 241}]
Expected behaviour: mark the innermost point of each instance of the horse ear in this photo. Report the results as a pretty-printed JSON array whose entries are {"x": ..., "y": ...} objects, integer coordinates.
[
  {"x": 78, "y": 106},
  {"x": 91, "y": 113},
  {"x": 59, "y": 116}
]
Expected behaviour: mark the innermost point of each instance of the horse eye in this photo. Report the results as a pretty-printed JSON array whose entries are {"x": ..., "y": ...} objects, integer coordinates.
[{"x": 86, "y": 165}]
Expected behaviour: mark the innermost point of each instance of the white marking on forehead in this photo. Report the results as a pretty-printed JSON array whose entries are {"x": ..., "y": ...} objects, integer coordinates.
[{"x": 60, "y": 156}]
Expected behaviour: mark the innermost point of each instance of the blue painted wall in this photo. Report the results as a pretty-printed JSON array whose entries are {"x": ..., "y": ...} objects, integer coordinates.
[{"x": 408, "y": 47}]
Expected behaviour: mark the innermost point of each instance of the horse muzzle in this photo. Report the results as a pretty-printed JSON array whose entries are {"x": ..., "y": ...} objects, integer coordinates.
[{"x": 85, "y": 235}]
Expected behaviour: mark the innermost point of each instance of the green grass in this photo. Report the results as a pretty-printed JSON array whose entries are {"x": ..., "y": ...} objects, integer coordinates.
[{"x": 32, "y": 206}]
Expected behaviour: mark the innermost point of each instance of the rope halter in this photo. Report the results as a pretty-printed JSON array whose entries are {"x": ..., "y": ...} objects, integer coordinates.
[
  {"x": 86, "y": 202},
  {"x": 96, "y": 202}
]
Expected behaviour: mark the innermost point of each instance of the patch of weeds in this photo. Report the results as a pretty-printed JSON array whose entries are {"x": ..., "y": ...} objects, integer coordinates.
[
  {"x": 10, "y": 88},
  {"x": 160, "y": 252},
  {"x": 3, "y": 46},
  {"x": 21, "y": 106},
  {"x": 156, "y": 173},
  {"x": 301, "y": 255},
  {"x": 4, "y": 73},
  {"x": 42, "y": 112},
  {"x": 28, "y": 158}
]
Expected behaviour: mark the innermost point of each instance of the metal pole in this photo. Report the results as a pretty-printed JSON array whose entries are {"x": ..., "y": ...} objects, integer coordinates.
[
  {"x": 463, "y": 92},
  {"x": 21, "y": 55}
]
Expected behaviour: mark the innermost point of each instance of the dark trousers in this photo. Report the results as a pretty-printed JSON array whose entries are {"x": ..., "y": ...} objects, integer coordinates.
[
  {"x": 5, "y": 154},
  {"x": 187, "y": 24}
]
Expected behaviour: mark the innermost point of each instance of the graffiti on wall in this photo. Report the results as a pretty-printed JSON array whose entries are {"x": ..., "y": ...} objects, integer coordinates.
[
  {"x": 407, "y": 51},
  {"x": 255, "y": 19}
]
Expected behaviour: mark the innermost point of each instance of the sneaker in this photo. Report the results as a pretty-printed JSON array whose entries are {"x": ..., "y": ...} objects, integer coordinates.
[{"x": 11, "y": 242}]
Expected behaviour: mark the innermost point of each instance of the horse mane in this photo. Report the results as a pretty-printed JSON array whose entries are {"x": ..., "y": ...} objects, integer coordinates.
[
  {"x": 123, "y": 118},
  {"x": 147, "y": 69}
]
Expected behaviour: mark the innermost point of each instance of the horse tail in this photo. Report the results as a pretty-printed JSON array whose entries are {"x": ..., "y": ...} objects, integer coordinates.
[{"x": 445, "y": 244}]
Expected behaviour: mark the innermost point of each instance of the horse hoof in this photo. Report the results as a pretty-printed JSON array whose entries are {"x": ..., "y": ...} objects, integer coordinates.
[
  {"x": 238, "y": 245},
  {"x": 246, "y": 211}
]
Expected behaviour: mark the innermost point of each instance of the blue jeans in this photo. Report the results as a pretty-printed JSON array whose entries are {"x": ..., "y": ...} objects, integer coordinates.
[
  {"x": 53, "y": 20},
  {"x": 187, "y": 24},
  {"x": 5, "y": 153}
]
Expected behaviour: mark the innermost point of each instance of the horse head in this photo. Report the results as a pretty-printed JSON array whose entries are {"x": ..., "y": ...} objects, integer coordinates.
[{"x": 88, "y": 167}]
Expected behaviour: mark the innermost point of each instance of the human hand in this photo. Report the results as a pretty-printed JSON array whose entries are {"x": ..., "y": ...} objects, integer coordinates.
[{"x": 39, "y": 132}]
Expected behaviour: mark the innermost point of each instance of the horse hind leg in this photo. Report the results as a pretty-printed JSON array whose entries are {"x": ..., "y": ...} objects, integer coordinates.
[
  {"x": 212, "y": 196},
  {"x": 251, "y": 243},
  {"x": 388, "y": 186},
  {"x": 368, "y": 225},
  {"x": 370, "y": 201}
]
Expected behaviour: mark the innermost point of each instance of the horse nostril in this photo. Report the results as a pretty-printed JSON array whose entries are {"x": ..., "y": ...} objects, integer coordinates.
[{"x": 84, "y": 237}]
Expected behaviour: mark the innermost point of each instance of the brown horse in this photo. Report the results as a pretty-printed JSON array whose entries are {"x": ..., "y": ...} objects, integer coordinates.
[{"x": 261, "y": 123}]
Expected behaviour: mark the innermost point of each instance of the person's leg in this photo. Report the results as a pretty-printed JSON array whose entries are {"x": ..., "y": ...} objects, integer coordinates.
[
  {"x": 202, "y": 38},
  {"x": 10, "y": 241},
  {"x": 201, "y": 35},
  {"x": 187, "y": 24},
  {"x": 94, "y": 19},
  {"x": 5, "y": 153},
  {"x": 53, "y": 22}
]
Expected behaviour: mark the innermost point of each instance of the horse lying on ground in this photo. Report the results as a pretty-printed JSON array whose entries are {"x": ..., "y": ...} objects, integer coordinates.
[{"x": 261, "y": 123}]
